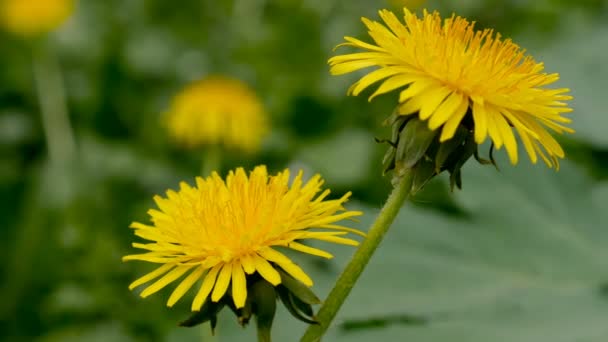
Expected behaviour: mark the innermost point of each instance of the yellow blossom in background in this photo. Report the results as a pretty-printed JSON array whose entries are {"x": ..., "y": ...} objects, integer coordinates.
[
  {"x": 222, "y": 232},
  {"x": 217, "y": 110},
  {"x": 452, "y": 74},
  {"x": 34, "y": 17}
]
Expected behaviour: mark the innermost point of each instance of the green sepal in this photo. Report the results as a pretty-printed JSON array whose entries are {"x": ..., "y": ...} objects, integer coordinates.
[
  {"x": 213, "y": 324},
  {"x": 414, "y": 141},
  {"x": 304, "y": 307},
  {"x": 297, "y": 288},
  {"x": 292, "y": 303},
  {"x": 424, "y": 171},
  {"x": 444, "y": 152},
  {"x": 415, "y": 148},
  {"x": 455, "y": 179},
  {"x": 388, "y": 161},
  {"x": 464, "y": 153},
  {"x": 396, "y": 122},
  {"x": 243, "y": 314},
  {"x": 208, "y": 312},
  {"x": 264, "y": 306},
  {"x": 491, "y": 155},
  {"x": 481, "y": 160}
]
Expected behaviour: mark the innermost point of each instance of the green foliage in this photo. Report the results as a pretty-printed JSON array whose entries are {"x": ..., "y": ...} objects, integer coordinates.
[{"x": 518, "y": 255}]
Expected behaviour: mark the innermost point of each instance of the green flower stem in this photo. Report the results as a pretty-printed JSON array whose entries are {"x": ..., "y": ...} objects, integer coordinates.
[
  {"x": 360, "y": 259},
  {"x": 212, "y": 160},
  {"x": 53, "y": 107},
  {"x": 264, "y": 335}
]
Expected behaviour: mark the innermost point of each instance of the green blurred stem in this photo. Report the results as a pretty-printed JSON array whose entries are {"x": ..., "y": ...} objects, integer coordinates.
[
  {"x": 212, "y": 160},
  {"x": 20, "y": 262},
  {"x": 360, "y": 259},
  {"x": 53, "y": 108},
  {"x": 264, "y": 335}
]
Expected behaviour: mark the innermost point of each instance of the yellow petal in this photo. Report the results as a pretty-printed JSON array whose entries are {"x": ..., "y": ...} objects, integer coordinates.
[
  {"x": 528, "y": 145},
  {"x": 239, "y": 285},
  {"x": 358, "y": 43},
  {"x": 165, "y": 280},
  {"x": 248, "y": 264},
  {"x": 266, "y": 270},
  {"x": 542, "y": 155},
  {"x": 393, "y": 23},
  {"x": 286, "y": 264},
  {"x": 446, "y": 110},
  {"x": 452, "y": 124},
  {"x": 221, "y": 285},
  {"x": 296, "y": 272},
  {"x": 309, "y": 250},
  {"x": 509, "y": 139},
  {"x": 480, "y": 122},
  {"x": 345, "y": 229},
  {"x": 416, "y": 88},
  {"x": 152, "y": 275},
  {"x": 520, "y": 120},
  {"x": 334, "y": 218},
  {"x": 347, "y": 67},
  {"x": 137, "y": 225},
  {"x": 410, "y": 106},
  {"x": 493, "y": 131},
  {"x": 548, "y": 142},
  {"x": 155, "y": 257},
  {"x": 272, "y": 255},
  {"x": 185, "y": 285},
  {"x": 329, "y": 237},
  {"x": 372, "y": 78},
  {"x": 394, "y": 82},
  {"x": 431, "y": 99},
  {"x": 206, "y": 288},
  {"x": 359, "y": 56}
]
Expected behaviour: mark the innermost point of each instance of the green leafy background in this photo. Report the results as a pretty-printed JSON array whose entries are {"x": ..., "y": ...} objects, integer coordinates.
[{"x": 519, "y": 255}]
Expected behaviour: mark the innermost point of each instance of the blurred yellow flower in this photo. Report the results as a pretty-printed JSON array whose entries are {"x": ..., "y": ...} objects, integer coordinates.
[
  {"x": 225, "y": 232},
  {"x": 217, "y": 110},
  {"x": 456, "y": 75},
  {"x": 34, "y": 17}
]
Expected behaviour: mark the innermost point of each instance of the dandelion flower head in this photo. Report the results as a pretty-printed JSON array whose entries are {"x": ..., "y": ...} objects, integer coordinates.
[
  {"x": 448, "y": 73},
  {"x": 223, "y": 231},
  {"x": 34, "y": 17},
  {"x": 217, "y": 110}
]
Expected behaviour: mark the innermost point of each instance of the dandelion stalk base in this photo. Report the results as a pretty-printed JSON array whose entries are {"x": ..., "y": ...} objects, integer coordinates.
[{"x": 360, "y": 259}]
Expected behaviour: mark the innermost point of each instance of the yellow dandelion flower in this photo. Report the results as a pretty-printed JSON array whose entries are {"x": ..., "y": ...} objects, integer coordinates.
[
  {"x": 33, "y": 17},
  {"x": 228, "y": 233},
  {"x": 217, "y": 110},
  {"x": 454, "y": 74}
]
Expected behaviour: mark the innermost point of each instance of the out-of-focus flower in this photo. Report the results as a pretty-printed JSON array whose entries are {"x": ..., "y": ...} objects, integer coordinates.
[
  {"x": 217, "y": 110},
  {"x": 229, "y": 235},
  {"x": 465, "y": 85},
  {"x": 34, "y": 17}
]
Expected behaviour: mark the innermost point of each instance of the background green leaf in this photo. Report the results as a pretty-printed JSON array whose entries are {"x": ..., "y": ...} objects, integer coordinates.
[{"x": 528, "y": 263}]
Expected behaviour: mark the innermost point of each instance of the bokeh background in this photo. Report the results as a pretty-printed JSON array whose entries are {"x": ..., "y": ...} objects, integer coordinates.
[{"x": 518, "y": 255}]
